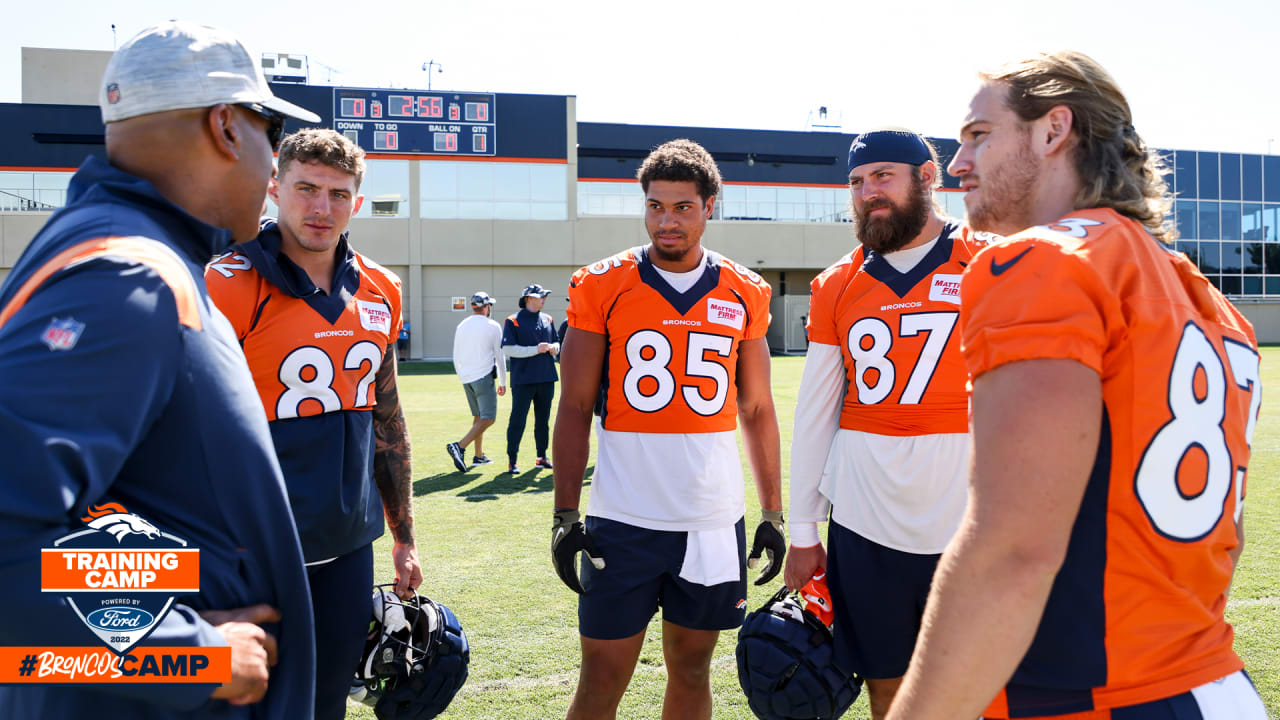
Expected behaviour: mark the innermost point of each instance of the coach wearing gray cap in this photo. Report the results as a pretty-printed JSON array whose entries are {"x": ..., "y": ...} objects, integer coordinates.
[
  {"x": 123, "y": 391},
  {"x": 478, "y": 359}
]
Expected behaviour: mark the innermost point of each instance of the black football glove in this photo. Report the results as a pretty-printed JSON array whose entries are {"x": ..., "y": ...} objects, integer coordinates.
[
  {"x": 773, "y": 541},
  {"x": 568, "y": 538}
]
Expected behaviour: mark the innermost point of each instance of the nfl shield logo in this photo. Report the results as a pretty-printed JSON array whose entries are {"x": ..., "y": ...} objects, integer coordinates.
[
  {"x": 62, "y": 334},
  {"x": 113, "y": 93}
]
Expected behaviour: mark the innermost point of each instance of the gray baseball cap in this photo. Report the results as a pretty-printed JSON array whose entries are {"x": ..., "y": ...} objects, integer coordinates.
[{"x": 178, "y": 65}]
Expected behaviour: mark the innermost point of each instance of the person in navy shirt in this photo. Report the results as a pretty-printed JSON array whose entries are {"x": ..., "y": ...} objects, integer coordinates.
[
  {"x": 529, "y": 338},
  {"x": 121, "y": 383}
]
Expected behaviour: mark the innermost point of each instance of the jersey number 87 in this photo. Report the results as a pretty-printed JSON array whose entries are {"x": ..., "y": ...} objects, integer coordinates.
[{"x": 1198, "y": 420}]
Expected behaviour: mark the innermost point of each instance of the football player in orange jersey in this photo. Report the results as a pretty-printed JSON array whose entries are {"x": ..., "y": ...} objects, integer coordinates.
[
  {"x": 667, "y": 343},
  {"x": 1115, "y": 392},
  {"x": 318, "y": 323},
  {"x": 887, "y": 457}
]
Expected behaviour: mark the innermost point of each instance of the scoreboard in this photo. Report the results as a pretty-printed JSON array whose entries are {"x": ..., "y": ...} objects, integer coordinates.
[{"x": 416, "y": 122}]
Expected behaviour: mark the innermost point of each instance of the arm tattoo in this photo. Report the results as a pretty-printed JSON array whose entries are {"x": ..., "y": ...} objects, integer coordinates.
[{"x": 391, "y": 467}]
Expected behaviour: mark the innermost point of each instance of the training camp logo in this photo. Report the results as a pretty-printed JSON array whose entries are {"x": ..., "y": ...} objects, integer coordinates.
[{"x": 119, "y": 574}]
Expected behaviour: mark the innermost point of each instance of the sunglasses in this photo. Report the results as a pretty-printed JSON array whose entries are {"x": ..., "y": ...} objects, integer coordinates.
[{"x": 275, "y": 123}]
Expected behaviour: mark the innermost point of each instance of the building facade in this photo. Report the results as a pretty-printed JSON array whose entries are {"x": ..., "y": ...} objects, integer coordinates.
[{"x": 494, "y": 191}]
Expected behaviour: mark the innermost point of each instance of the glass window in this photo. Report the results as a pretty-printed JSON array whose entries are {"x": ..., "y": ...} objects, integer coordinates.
[
  {"x": 1271, "y": 258},
  {"x": 1252, "y": 285},
  {"x": 385, "y": 189},
  {"x": 1251, "y": 221},
  {"x": 1208, "y": 184},
  {"x": 548, "y": 184},
  {"x": 473, "y": 210},
  {"x": 504, "y": 191},
  {"x": 1271, "y": 223},
  {"x": 1273, "y": 285},
  {"x": 1210, "y": 258},
  {"x": 1253, "y": 258},
  {"x": 1271, "y": 178},
  {"x": 1184, "y": 170},
  {"x": 439, "y": 209},
  {"x": 439, "y": 179},
  {"x": 1232, "y": 260},
  {"x": 735, "y": 202},
  {"x": 475, "y": 181},
  {"x": 594, "y": 198},
  {"x": 1191, "y": 249},
  {"x": 1230, "y": 165},
  {"x": 1230, "y": 221},
  {"x": 511, "y": 210},
  {"x": 1209, "y": 221},
  {"x": 23, "y": 191},
  {"x": 1186, "y": 219},
  {"x": 1251, "y": 177},
  {"x": 791, "y": 204},
  {"x": 510, "y": 182},
  {"x": 1231, "y": 285},
  {"x": 762, "y": 202}
]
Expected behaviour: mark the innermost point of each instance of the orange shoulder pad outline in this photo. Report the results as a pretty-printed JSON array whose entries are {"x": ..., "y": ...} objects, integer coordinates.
[{"x": 155, "y": 255}]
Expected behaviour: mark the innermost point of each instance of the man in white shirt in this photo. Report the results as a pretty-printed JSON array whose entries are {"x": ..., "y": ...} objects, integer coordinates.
[{"x": 477, "y": 350}]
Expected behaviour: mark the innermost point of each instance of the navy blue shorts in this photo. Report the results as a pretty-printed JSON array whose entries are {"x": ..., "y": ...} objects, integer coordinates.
[
  {"x": 642, "y": 571},
  {"x": 878, "y": 596},
  {"x": 340, "y": 601}
]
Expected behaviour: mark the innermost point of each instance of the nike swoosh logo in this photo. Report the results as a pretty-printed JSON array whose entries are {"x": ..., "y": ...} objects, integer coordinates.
[{"x": 999, "y": 268}]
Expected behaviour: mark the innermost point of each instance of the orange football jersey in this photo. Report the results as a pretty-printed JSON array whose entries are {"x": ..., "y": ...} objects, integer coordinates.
[
  {"x": 672, "y": 358},
  {"x": 304, "y": 363},
  {"x": 1136, "y": 612},
  {"x": 897, "y": 334}
]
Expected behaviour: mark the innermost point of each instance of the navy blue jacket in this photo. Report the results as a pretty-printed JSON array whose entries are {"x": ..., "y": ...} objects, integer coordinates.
[
  {"x": 151, "y": 407},
  {"x": 528, "y": 329},
  {"x": 327, "y": 459}
]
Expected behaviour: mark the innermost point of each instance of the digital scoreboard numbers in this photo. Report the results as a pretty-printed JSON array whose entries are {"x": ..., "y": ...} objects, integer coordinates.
[{"x": 414, "y": 122}]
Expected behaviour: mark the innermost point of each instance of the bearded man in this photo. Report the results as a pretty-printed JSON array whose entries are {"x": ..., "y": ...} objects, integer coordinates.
[{"x": 881, "y": 423}]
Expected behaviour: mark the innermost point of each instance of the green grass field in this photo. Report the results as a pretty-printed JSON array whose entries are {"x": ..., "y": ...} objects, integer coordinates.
[{"x": 484, "y": 540}]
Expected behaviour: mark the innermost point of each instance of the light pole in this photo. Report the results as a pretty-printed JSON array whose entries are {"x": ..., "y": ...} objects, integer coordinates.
[{"x": 426, "y": 66}]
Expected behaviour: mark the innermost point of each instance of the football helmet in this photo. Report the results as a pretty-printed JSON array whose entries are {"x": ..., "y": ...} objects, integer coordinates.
[
  {"x": 785, "y": 664},
  {"x": 414, "y": 660}
]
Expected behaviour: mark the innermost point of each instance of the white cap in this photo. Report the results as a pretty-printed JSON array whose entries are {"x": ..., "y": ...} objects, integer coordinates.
[{"x": 178, "y": 65}]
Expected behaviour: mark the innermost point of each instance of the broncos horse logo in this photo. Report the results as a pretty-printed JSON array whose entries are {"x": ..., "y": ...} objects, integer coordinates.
[{"x": 113, "y": 518}]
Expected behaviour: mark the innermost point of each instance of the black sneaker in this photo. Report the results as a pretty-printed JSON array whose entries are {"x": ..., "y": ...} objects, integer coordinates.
[
  {"x": 513, "y": 469},
  {"x": 455, "y": 454},
  {"x": 481, "y": 460},
  {"x": 543, "y": 463}
]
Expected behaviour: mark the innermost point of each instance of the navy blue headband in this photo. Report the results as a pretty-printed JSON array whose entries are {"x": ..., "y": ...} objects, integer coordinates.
[{"x": 888, "y": 146}]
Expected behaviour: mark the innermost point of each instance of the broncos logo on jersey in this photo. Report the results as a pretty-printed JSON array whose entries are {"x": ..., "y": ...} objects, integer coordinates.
[{"x": 115, "y": 520}]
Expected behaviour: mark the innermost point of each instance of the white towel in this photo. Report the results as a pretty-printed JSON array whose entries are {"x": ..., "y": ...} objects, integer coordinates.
[{"x": 711, "y": 556}]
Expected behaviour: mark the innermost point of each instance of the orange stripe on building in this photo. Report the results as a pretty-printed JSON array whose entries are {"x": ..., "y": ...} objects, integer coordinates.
[
  {"x": 173, "y": 570},
  {"x": 87, "y": 665},
  {"x": 151, "y": 253}
]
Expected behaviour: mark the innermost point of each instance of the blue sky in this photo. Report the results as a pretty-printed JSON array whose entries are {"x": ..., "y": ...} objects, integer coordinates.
[{"x": 1199, "y": 75}]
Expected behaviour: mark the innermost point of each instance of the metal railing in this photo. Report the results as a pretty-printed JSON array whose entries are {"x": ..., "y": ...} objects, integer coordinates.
[{"x": 12, "y": 200}]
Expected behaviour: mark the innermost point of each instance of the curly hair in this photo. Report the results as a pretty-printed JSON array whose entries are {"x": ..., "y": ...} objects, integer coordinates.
[
  {"x": 1116, "y": 168},
  {"x": 681, "y": 160},
  {"x": 327, "y": 147}
]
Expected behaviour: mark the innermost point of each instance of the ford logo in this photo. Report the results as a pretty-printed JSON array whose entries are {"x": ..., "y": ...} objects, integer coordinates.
[{"x": 120, "y": 619}]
